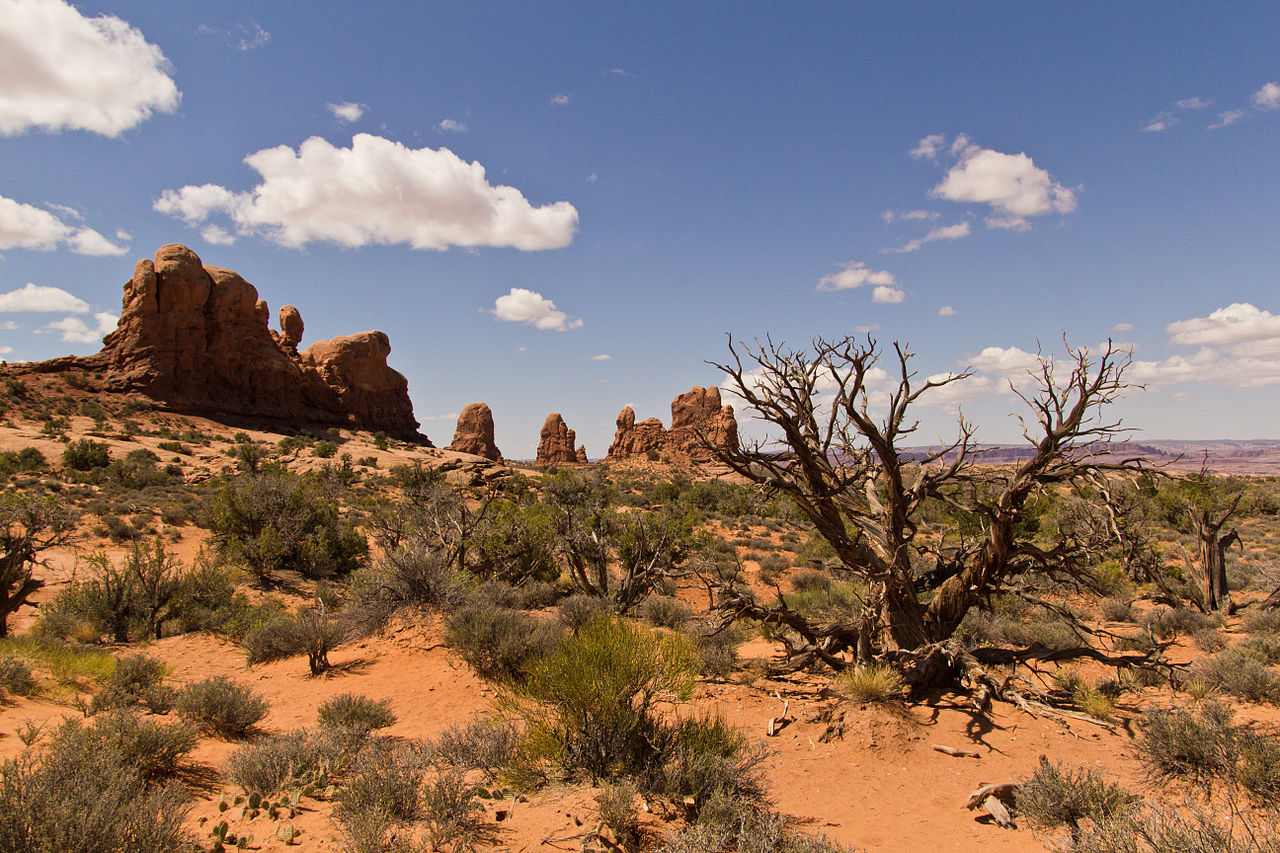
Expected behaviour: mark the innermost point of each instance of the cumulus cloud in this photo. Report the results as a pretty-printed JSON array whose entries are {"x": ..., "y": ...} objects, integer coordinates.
[
  {"x": 1229, "y": 117},
  {"x": 78, "y": 331},
  {"x": 346, "y": 111},
  {"x": 559, "y": 100},
  {"x": 887, "y": 295},
  {"x": 450, "y": 126},
  {"x": 33, "y": 297},
  {"x": 63, "y": 70},
  {"x": 533, "y": 309},
  {"x": 1268, "y": 97},
  {"x": 5, "y": 350},
  {"x": 1005, "y": 361},
  {"x": 946, "y": 232},
  {"x": 1238, "y": 346},
  {"x": 946, "y": 311},
  {"x": 23, "y": 226},
  {"x": 958, "y": 392},
  {"x": 217, "y": 235},
  {"x": 1122, "y": 327},
  {"x": 855, "y": 274},
  {"x": 1012, "y": 184},
  {"x": 604, "y": 356},
  {"x": 375, "y": 192},
  {"x": 1161, "y": 122}
]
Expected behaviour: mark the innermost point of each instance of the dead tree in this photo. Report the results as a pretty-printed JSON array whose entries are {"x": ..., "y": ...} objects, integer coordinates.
[
  {"x": 844, "y": 469},
  {"x": 28, "y": 526},
  {"x": 1213, "y": 545}
]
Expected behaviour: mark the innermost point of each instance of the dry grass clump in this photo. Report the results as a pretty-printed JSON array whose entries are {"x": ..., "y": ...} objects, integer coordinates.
[
  {"x": 280, "y": 762},
  {"x": 875, "y": 682},
  {"x": 221, "y": 706},
  {"x": 354, "y": 716},
  {"x": 1238, "y": 672}
]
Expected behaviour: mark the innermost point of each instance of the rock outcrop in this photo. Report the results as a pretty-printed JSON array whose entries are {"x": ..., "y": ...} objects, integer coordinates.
[
  {"x": 196, "y": 338},
  {"x": 475, "y": 432},
  {"x": 694, "y": 415},
  {"x": 556, "y": 443}
]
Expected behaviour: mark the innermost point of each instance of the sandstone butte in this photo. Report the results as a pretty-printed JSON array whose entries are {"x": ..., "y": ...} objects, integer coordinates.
[
  {"x": 474, "y": 433},
  {"x": 556, "y": 443},
  {"x": 697, "y": 420},
  {"x": 196, "y": 339}
]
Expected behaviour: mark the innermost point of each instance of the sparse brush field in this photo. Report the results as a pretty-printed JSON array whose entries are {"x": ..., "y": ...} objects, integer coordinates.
[{"x": 221, "y": 637}]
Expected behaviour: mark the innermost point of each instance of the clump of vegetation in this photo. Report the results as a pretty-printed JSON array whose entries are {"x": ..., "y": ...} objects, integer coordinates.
[
  {"x": 1056, "y": 796},
  {"x": 15, "y": 676},
  {"x": 137, "y": 679},
  {"x": 483, "y": 744},
  {"x": 280, "y": 762},
  {"x": 86, "y": 455},
  {"x": 355, "y": 716},
  {"x": 221, "y": 706},
  {"x": 314, "y": 631},
  {"x": 871, "y": 683},
  {"x": 1239, "y": 672},
  {"x": 499, "y": 643}
]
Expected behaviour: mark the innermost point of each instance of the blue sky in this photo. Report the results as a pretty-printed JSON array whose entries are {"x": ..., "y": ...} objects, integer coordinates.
[{"x": 514, "y": 191}]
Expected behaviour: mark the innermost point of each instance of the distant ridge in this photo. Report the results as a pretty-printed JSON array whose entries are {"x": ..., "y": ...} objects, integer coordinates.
[{"x": 1256, "y": 457}]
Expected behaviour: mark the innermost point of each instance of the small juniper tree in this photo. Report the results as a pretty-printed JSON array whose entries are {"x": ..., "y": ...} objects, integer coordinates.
[{"x": 28, "y": 526}]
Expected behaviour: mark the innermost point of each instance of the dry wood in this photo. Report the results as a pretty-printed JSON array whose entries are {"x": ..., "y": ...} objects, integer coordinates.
[{"x": 958, "y": 753}]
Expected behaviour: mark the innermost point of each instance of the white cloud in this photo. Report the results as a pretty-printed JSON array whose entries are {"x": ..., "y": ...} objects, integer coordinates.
[
  {"x": 955, "y": 393},
  {"x": 1239, "y": 322},
  {"x": 946, "y": 232},
  {"x": 78, "y": 331},
  {"x": 908, "y": 215},
  {"x": 63, "y": 70},
  {"x": 217, "y": 235},
  {"x": 604, "y": 356},
  {"x": 1122, "y": 327},
  {"x": 559, "y": 100},
  {"x": 946, "y": 311},
  {"x": 23, "y": 226},
  {"x": 5, "y": 350},
  {"x": 346, "y": 111},
  {"x": 526, "y": 306},
  {"x": 929, "y": 147},
  {"x": 33, "y": 297},
  {"x": 1196, "y": 103},
  {"x": 1268, "y": 97},
  {"x": 855, "y": 274},
  {"x": 1224, "y": 119},
  {"x": 1161, "y": 122},
  {"x": 887, "y": 295},
  {"x": 242, "y": 37},
  {"x": 1005, "y": 361},
  {"x": 8, "y": 325},
  {"x": 376, "y": 192},
  {"x": 1011, "y": 184},
  {"x": 450, "y": 126}
]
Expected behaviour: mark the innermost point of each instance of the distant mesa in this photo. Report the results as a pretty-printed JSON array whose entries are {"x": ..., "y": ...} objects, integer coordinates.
[
  {"x": 196, "y": 338},
  {"x": 556, "y": 443},
  {"x": 474, "y": 433},
  {"x": 698, "y": 423}
]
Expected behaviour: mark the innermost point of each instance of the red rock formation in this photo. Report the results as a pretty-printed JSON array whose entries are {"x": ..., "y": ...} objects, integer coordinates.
[
  {"x": 475, "y": 432},
  {"x": 556, "y": 443},
  {"x": 581, "y": 455},
  {"x": 636, "y": 439},
  {"x": 195, "y": 337},
  {"x": 694, "y": 415}
]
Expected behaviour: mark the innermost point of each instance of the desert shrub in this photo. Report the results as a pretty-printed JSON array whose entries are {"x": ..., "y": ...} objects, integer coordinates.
[
  {"x": 590, "y": 705},
  {"x": 279, "y": 762},
  {"x": 709, "y": 756},
  {"x": 616, "y": 804},
  {"x": 313, "y": 631},
  {"x": 1170, "y": 622},
  {"x": 82, "y": 795},
  {"x": 717, "y": 649},
  {"x": 579, "y": 609},
  {"x": 1093, "y": 701},
  {"x": 772, "y": 566},
  {"x": 1262, "y": 621},
  {"x": 1237, "y": 672},
  {"x": 15, "y": 676},
  {"x": 1117, "y": 610},
  {"x": 1061, "y": 796},
  {"x": 1264, "y": 648},
  {"x": 498, "y": 643},
  {"x": 411, "y": 574},
  {"x": 870, "y": 683},
  {"x": 275, "y": 521},
  {"x": 451, "y": 812},
  {"x": 324, "y": 449},
  {"x": 1177, "y": 744},
  {"x": 727, "y": 823},
  {"x": 1209, "y": 640},
  {"x": 151, "y": 747},
  {"x": 137, "y": 679},
  {"x": 221, "y": 706},
  {"x": 355, "y": 716},
  {"x": 1192, "y": 826},
  {"x": 86, "y": 455},
  {"x": 811, "y": 580},
  {"x": 385, "y": 778},
  {"x": 482, "y": 744},
  {"x": 664, "y": 612}
]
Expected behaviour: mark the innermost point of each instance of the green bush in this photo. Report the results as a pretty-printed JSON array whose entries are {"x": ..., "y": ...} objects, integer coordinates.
[
  {"x": 498, "y": 643},
  {"x": 86, "y": 455},
  {"x": 151, "y": 747},
  {"x": 590, "y": 705},
  {"x": 579, "y": 609},
  {"x": 1238, "y": 672},
  {"x": 664, "y": 611},
  {"x": 221, "y": 706},
  {"x": 137, "y": 679},
  {"x": 708, "y": 756},
  {"x": 15, "y": 676},
  {"x": 280, "y": 762},
  {"x": 313, "y": 631},
  {"x": 1177, "y": 744}
]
